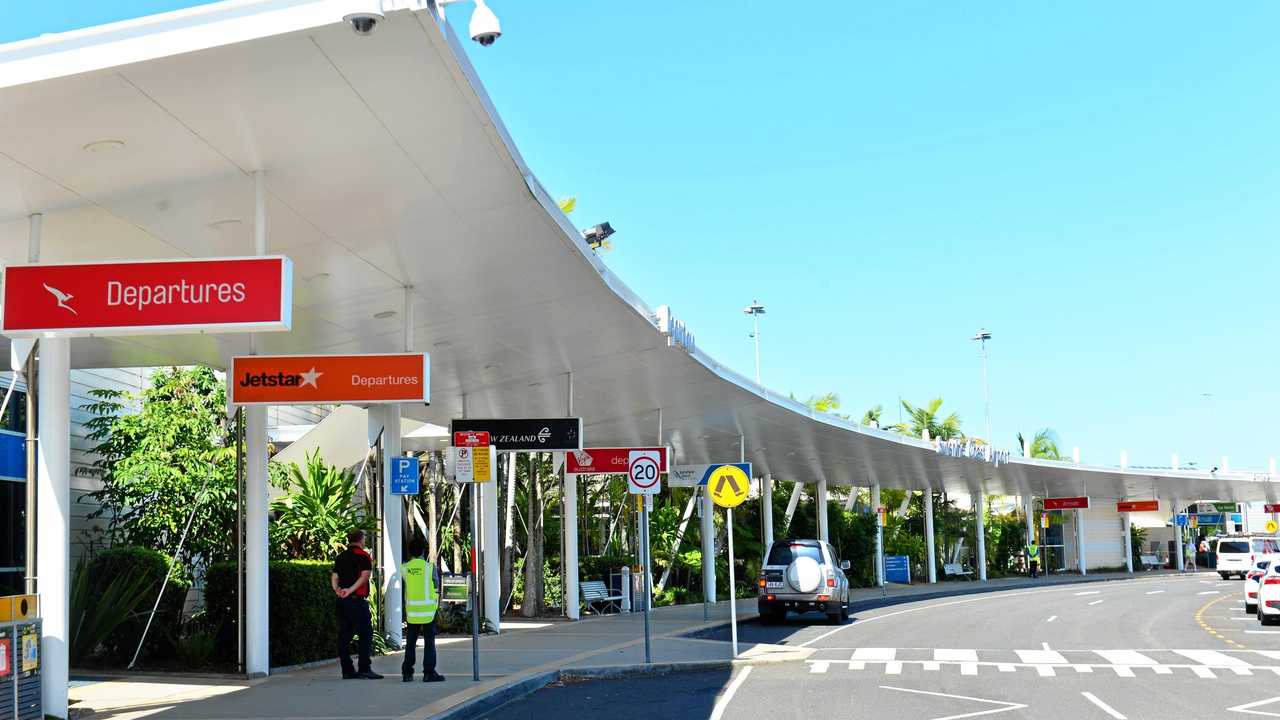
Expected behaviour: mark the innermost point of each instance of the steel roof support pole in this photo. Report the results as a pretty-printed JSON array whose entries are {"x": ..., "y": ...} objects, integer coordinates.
[
  {"x": 392, "y": 551},
  {"x": 931, "y": 558},
  {"x": 875, "y": 507},
  {"x": 1125, "y": 519},
  {"x": 569, "y": 522},
  {"x": 1084, "y": 568},
  {"x": 980, "y": 532},
  {"x": 766, "y": 510},
  {"x": 53, "y": 517},
  {"x": 1179, "y": 539},
  {"x": 707, "y": 529},
  {"x": 257, "y": 659},
  {"x": 822, "y": 509}
]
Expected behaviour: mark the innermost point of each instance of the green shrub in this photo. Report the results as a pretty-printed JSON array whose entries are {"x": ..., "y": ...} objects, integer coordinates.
[
  {"x": 303, "y": 625},
  {"x": 140, "y": 562}
]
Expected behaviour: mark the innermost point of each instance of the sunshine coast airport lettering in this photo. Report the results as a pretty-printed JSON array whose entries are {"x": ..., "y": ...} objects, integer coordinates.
[{"x": 975, "y": 451}]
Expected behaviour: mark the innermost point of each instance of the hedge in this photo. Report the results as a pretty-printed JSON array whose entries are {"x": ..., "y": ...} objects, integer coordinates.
[
  {"x": 303, "y": 626},
  {"x": 162, "y": 639}
]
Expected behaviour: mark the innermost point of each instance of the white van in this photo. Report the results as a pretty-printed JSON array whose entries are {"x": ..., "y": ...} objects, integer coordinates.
[{"x": 1237, "y": 554}]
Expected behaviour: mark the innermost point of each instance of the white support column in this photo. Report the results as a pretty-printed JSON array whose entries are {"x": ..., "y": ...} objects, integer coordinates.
[
  {"x": 257, "y": 658},
  {"x": 850, "y": 498},
  {"x": 875, "y": 508},
  {"x": 570, "y": 563},
  {"x": 708, "y": 526},
  {"x": 1128, "y": 546},
  {"x": 1179, "y": 564},
  {"x": 980, "y": 533},
  {"x": 766, "y": 510},
  {"x": 796, "y": 491},
  {"x": 53, "y": 518},
  {"x": 390, "y": 555},
  {"x": 822, "y": 510},
  {"x": 931, "y": 557},
  {"x": 1028, "y": 509},
  {"x": 1080, "y": 553},
  {"x": 491, "y": 553}
]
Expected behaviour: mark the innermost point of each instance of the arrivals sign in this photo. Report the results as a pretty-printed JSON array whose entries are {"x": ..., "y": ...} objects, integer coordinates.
[
  {"x": 329, "y": 379},
  {"x": 1138, "y": 506},
  {"x": 1066, "y": 503},
  {"x": 608, "y": 460},
  {"x": 1271, "y": 508},
  {"x": 247, "y": 294},
  {"x": 526, "y": 434}
]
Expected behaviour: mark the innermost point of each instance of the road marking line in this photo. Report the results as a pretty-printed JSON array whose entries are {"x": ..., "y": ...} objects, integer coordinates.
[
  {"x": 1154, "y": 592},
  {"x": 1243, "y": 619},
  {"x": 874, "y": 654},
  {"x": 1006, "y": 667},
  {"x": 1212, "y": 658},
  {"x": 1045, "y": 670},
  {"x": 722, "y": 702},
  {"x": 1202, "y": 671},
  {"x": 968, "y": 668},
  {"x": 1241, "y": 670},
  {"x": 1044, "y": 645},
  {"x": 1224, "y": 584},
  {"x": 1122, "y": 670},
  {"x": 1269, "y": 654},
  {"x": 893, "y": 667},
  {"x": 817, "y": 667},
  {"x": 1095, "y": 602},
  {"x": 1125, "y": 657},
  {"x": 955, "y": 655},
  {"x": 1083, "y": 668},
  {"x": 1247, "y": 707},
  {"x": 1007, "y": 705},
  {"x": 1162, "y": 670},
  {"x": 1105, "y": 707},
  {"x": 1046, "y": 656},
  {"x": 1088, "y": 592},
  {"x": 857, "y": 665},
  {"x": 931, "y": 665},
  {"x": 1210, "y": 592},
  {"x": 1262, "y": 632},
  {"x": 1052, "y": 618}
]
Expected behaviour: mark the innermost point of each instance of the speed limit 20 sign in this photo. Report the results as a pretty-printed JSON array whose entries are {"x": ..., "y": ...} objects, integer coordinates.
[{"x": 643, "y": 472}]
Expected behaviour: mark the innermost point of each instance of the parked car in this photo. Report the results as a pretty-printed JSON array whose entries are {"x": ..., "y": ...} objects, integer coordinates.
[
  {"x": 1236, "y": 554},
  {"x": 1252, "y": 581},
  {"x": 803, "y": 576},
  {"x": 1269, "y": 595}
]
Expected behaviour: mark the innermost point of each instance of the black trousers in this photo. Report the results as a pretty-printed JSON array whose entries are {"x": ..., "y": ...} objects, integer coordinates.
[
  {"x": 1035, "y": 567},
  {"x": 412, "y": 633},
  {"x": 353, "y": 619}
]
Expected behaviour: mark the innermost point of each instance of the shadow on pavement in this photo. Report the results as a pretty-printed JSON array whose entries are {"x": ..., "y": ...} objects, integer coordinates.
[{"x": 666, "y": 696}]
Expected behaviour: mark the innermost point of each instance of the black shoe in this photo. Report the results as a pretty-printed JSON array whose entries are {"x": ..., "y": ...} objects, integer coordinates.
[
  {"x": 433, "y": 677},
  {"x": 408, "y": 678},
  {"x": 350, "y": 675},
  {"x": 369, "y": 675}
]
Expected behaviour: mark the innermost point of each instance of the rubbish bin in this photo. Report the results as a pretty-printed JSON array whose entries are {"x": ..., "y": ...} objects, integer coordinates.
[{"x": 20, "y": 658}]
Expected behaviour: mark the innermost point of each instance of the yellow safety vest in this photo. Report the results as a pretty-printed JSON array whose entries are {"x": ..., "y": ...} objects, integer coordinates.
[
  {"x": 420, "y": 597},
  {"x": 1033, "y": 552}
]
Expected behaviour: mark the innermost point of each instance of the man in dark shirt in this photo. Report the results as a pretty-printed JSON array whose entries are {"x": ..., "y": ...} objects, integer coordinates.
[{"x": 350, "y": 581}]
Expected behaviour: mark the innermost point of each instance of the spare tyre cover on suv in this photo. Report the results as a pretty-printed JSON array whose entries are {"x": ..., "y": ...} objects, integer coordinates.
[{"x": 804, "y": 574}]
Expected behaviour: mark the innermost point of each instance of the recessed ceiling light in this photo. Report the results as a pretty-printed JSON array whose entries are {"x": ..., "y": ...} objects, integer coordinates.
[
  {"x": 104, "y": 145},
  {"x": 492, "y": 366},
  {"x": 220, "y": 224},
  {"x": 319, "y": 276},
  {"x": 441, "y": 343},
  {"x": 535, "y": 384},
  {"x": 385, "y": 314}
]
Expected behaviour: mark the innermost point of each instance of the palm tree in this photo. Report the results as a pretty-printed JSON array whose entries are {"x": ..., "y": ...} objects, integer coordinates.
[
  {"x": 1044, "y": 445},
  {"x": 872, "y": 415},
  {"x": 926, "y": 418},
  {"x": 313, "y": 518}
]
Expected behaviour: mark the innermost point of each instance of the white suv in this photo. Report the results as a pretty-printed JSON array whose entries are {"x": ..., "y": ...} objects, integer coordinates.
[
  {"x": 1236, "y": 554},
  {"x": 801, "y": 576}
]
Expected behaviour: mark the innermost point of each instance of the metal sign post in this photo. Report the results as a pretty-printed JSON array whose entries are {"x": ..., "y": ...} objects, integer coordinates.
[
  {"x": 475, "y": 567},
  {"x": 644, "y": 480},
  {"x": 729, "y": 485},
  {"x": 733, "y": 596},
  {"x": 472, "y": 464}
]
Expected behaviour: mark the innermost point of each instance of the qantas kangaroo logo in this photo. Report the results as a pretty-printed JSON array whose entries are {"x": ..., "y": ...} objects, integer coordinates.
[{"x": 62, "y": 298}]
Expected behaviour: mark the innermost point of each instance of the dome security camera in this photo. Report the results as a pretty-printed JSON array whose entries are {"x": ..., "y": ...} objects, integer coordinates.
[
  {"x": 484, "y": 27},
  {"x": 364, "y": 22}
]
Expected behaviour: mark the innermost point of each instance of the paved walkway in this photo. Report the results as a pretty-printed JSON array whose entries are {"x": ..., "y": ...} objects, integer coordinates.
[{"x": 613, "y": 640}]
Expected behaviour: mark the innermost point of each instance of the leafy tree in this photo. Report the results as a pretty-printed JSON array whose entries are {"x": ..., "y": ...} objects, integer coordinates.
[
  {"x": 313, "y": 518},
  {"x": 926, "y": 418},
  {"x": 1044, "y": 445},
  {"x": 872, "y": 415},
  {"x": 162, "y": 454}
]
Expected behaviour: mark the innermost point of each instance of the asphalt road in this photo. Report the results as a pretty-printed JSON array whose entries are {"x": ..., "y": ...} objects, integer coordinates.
[{"x": 1167, "y": 647}]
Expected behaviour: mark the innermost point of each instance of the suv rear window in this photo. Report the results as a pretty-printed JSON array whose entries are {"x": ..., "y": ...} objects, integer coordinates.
[
  {"x": 1232, "y": 546},
  {"x": 786, "y": 553}
]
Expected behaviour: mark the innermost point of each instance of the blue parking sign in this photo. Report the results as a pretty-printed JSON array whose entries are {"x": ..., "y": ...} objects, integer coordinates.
[
  {"x": 1180, "y": 520},
  {"x": 404, "y": 476}
]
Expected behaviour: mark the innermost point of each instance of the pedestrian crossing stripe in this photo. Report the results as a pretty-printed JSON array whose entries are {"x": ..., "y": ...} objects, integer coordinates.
[{"x": 1206, "y": 664}]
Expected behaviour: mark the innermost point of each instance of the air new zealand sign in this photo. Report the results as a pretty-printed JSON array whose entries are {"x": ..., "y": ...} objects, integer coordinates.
[{"x": 526, "y": 434}]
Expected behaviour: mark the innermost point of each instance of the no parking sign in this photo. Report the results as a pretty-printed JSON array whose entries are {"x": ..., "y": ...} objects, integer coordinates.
[{"x": 643, "y": 472}]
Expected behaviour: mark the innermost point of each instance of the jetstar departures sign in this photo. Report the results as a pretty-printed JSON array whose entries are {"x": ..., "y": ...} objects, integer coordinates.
[
  {"x": 250, "y": 294},
  {"x": 329, "y": 379}
]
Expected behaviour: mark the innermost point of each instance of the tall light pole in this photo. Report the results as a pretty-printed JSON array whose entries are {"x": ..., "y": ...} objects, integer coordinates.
[
  {"x": 982, "y": 336},
  {"x": 755, "y": 310}
]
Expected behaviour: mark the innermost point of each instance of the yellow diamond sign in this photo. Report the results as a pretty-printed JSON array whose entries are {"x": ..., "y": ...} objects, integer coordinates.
[
  {"x": 1271, "y": 526},
  {"x": 728, "y": 485}
]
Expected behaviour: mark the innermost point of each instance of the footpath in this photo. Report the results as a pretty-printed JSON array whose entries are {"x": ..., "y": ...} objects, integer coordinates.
[{"x": 524, "y": 657}]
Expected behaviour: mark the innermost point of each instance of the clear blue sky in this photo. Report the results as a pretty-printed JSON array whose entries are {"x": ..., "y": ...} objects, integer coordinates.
[{"x": 1096, "y": 183}]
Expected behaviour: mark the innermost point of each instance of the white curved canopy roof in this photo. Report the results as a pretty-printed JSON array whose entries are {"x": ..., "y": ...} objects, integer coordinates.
[{"x": 386, "y": 165}]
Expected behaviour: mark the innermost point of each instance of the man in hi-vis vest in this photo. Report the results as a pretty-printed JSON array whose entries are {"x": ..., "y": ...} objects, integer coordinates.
[{"x": 421, "y": 600}]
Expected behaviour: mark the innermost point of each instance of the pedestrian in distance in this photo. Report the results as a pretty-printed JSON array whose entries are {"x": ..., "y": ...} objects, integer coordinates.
[
  {"x": 1033, "y": 559},
  {"x": 350, "y": 581},
  {"x": 421, "y": 600},
  {"x": 1191, "y": 555}
]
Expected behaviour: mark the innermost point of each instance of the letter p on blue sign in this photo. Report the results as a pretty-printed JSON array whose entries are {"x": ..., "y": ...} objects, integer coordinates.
[{"x": 404, "y": 476}]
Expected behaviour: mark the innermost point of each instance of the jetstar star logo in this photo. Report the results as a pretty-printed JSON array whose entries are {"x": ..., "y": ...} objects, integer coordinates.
[
  {"x": 61, "y": 297},
  {"x": 264, "y": 379}
]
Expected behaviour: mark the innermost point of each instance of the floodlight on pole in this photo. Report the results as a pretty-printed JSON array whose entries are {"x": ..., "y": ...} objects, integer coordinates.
[
  {"x": 755, "y": 310},
  {"x": 982, "y": 336}
]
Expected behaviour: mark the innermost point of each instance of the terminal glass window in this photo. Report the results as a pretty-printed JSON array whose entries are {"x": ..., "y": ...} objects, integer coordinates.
[
  {"x": 786, "y": 553},
  {"x": 12, "y": 536}
]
